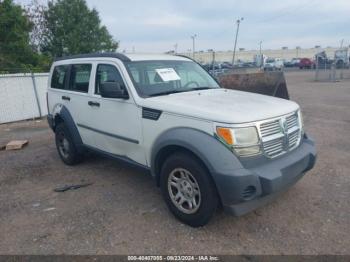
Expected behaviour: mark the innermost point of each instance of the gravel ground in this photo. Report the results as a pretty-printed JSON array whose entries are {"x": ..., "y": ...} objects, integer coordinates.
[{"x": 123, "y": 212}]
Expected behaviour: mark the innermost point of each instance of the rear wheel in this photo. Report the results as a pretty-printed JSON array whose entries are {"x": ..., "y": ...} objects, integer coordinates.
[
  {"x": 65, "y": 145},
  {"x": 188, "y": 189}
]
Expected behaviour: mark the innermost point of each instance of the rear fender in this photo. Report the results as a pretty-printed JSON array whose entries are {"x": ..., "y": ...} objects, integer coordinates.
[{"x": 60, "y": 111}]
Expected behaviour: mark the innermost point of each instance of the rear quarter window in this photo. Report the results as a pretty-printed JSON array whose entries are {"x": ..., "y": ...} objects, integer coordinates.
[{"x": 58, "y": 78}]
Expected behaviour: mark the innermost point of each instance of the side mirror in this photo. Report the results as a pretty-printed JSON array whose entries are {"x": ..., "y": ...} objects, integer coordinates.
[{"x": 113, "y": 90}]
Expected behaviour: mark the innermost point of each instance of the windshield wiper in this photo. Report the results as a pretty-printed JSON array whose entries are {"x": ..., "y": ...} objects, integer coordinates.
[
  {"x": 201, "y": 88},
  {"x": 180, "y": 91},
  {"x": 166, "y": 93}
]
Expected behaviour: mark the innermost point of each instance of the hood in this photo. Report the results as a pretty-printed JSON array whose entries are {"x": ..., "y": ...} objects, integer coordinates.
[{"x": 222, "y": 105}]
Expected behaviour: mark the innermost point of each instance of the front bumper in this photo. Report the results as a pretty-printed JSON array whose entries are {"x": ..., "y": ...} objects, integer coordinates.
[{"x": 255, "y": 185}]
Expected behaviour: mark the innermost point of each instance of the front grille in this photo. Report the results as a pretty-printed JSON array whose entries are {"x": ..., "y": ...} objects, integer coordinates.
[
  {"x": 270, "y": 128},
  {"x": 274, "y": 147},
  {"x": 280, "y": 135},
  {"x": 293, "y": 139},
  {"x": 292, "y": 121}
]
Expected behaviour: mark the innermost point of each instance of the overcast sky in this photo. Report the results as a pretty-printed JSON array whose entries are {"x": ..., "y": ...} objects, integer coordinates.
[{"x": 157, "y": 25}]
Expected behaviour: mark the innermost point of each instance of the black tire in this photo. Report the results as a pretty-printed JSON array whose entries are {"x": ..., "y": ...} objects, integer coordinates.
[
  {"x": 208, "y": 194},
  {"x": 66, "y": 150}
]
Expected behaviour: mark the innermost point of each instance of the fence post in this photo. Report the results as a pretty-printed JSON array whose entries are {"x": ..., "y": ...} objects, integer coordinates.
[
  {"x": 341, "y": 71},
  {"x": 316, "y": 74},
  {"x": 36, "y": 93},
  {"x": 334, "y": 72}
]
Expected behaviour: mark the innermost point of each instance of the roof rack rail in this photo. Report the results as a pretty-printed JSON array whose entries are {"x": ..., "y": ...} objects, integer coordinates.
[{"x": 119, "y": 56}]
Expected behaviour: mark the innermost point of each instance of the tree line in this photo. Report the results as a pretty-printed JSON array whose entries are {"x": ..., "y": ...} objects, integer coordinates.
[{"x": 32, "y": 36}]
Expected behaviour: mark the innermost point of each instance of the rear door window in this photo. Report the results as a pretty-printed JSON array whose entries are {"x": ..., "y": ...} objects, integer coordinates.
[
  {"x": 80, "y": 77},
  {"x": 59, "y": 76}
]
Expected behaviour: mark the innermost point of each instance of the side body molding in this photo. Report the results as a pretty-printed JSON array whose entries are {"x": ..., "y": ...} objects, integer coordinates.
[{"x": 217, "y": 158}]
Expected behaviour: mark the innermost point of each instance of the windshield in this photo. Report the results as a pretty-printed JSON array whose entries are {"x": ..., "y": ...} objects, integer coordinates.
[
  {"x": 270, "y": 60},
  {"x": 155, "y": 78}
]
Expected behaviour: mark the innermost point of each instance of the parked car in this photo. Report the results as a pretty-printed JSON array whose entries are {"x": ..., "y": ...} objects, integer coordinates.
[
  {"x": 204, "y": 145},
  {"x": 322, "y": 61},
  {"x": 292, "y": 63},
  {"x": 287, "y": 63},
  {"x": 342, "y": 58},
  {"x": 273, "y": 64},
  {"x": 295, "y": 62},
  {"x": 226, "y": 65},
  {"x": 306, "y": 63},
  {"x": 260, "y": 60}
]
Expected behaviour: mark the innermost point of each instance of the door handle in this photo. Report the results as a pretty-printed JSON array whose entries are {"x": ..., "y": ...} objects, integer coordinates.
[
  {"x": 91, "y": 103},
  {"x": 66, "y": 98}
]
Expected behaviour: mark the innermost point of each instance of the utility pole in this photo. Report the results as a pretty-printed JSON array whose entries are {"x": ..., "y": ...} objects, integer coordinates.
[
  {"x": 260, "y": 43},
  {"x": 194, "y": 45},
  {"x": 175, "y": 48},
  {"x": 341, "y": 43},
  {"x": 234, "y": 48},
  {"x": 260, "y": 55},
  {"x": 213, "y": 61}
]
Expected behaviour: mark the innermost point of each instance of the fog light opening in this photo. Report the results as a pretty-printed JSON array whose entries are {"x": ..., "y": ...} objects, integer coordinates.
[{"x": 249, "y": 193}]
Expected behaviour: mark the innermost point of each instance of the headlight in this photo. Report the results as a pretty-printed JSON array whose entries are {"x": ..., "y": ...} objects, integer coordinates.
[
  {"x": 245, "y": 136},
  {"x": 244, "y": 141},
  {"x": 301, "y": 121}
]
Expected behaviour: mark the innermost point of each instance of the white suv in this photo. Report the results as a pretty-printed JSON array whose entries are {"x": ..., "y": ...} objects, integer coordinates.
[
  {"x": 205, "y": 146},
  {"x": 273, "y": 64}
]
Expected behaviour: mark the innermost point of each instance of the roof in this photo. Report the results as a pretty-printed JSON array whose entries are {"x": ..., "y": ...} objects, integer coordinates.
[
  {"x": 95, "y": 55},
  {"x": 126, "y": 57},
  {"x": 149, "y": 56}
]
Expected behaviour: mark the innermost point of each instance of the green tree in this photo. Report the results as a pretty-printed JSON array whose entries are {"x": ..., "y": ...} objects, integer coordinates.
[
  {"x": 16, "y": 53},
  {"x": 72, "y": 28}
]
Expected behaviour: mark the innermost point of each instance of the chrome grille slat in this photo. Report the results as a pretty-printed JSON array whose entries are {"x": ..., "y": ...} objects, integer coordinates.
[
  {"x": 292, "y": 121},
  {"x": 270, "y": 128},
  {"x": 280, "y": 135},
  {"x": 280, "y": 145},
  {"x": 274, "y": 147},
  {"x": 270, "y": 124},
  {"x": 293, "y": 139},
  {"x": 273, "y": 142},
  {"x": 275, "y": 153},
  {"x": 271, "y": 131},
  {"x": 272, "y": 137},
  {"x": 266, "y": 127}
]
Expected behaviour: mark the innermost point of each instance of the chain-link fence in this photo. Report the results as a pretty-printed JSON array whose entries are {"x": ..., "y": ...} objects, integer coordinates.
[
  {"x": 332, "y": 74},
  {"x": 23, "y": 96},
  {"x": 331, "y": 71}
]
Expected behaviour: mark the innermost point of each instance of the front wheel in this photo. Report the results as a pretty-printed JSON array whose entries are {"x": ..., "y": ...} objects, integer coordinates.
[{"x": 188, "y": 189}]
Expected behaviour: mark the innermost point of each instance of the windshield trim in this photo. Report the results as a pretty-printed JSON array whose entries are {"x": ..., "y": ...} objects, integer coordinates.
[{"x": 140, "y": 94}]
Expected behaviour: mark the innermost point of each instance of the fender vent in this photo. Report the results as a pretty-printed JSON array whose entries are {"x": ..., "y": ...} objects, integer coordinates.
[{"x": 151, "y": 114}]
